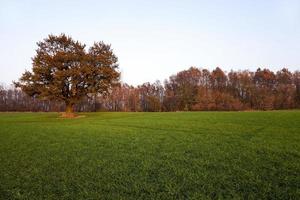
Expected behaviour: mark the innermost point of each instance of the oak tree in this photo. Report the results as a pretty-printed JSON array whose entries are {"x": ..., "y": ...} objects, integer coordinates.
[{"x": 63, "y": 70}]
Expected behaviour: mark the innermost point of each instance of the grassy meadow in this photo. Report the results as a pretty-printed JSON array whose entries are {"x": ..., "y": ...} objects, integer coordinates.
[{"x": 178, "y": 155}]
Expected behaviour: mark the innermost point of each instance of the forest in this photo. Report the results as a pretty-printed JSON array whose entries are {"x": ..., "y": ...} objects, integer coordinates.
[{"x": 194, "y": 89}]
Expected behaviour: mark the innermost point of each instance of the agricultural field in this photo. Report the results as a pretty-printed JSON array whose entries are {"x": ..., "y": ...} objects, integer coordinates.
[{"x": 176, "y": 155}]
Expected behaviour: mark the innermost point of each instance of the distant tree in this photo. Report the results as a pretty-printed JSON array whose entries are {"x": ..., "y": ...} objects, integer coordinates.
[
  {"x": 284, "y": 90},
  {"x": 204, "y": 99},
  {"x": 263, "y": 93},
  {"x": 183, "y": 87},
  {"x": 218, "y": 79},
  {"x": 239, "y": 86},
  {"x": 2, "y": 98},
  {"x": 296, "y": 80},
  {"x": 150, "y": 96},
  {"x": 170, "y": 99},
  {"x": 63, "y": 71}
]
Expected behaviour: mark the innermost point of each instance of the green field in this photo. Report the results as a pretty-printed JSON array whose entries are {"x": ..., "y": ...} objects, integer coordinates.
[{"x": 183, "y": 155}]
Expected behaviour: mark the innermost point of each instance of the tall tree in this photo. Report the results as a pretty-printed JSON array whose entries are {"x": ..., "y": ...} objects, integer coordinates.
[
  {"x": 263, "y": 94},
  {"x": 284, "y": 90},
  {"x": 187, "y": 82},
  {"x": 218, "y": 79},
  {"x": 62, "y": 70}
]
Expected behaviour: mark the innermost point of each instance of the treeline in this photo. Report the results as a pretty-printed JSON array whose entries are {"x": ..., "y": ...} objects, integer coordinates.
[{"x": 189, "y": 90}]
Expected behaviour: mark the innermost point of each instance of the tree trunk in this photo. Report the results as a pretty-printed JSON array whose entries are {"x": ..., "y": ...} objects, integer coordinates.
[
  {"x": 69, "y": 111},
  {"x": 95, "y": 102}
]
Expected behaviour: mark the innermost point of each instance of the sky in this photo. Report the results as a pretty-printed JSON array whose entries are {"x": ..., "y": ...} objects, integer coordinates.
[{"x": 154, "y": 39}]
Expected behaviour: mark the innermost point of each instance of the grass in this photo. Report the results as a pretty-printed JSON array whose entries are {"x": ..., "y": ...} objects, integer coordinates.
[{"x": 184, "y": 155}]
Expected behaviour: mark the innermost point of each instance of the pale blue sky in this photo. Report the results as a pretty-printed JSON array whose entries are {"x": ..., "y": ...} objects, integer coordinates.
[{"x": 155, "y": 39}]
